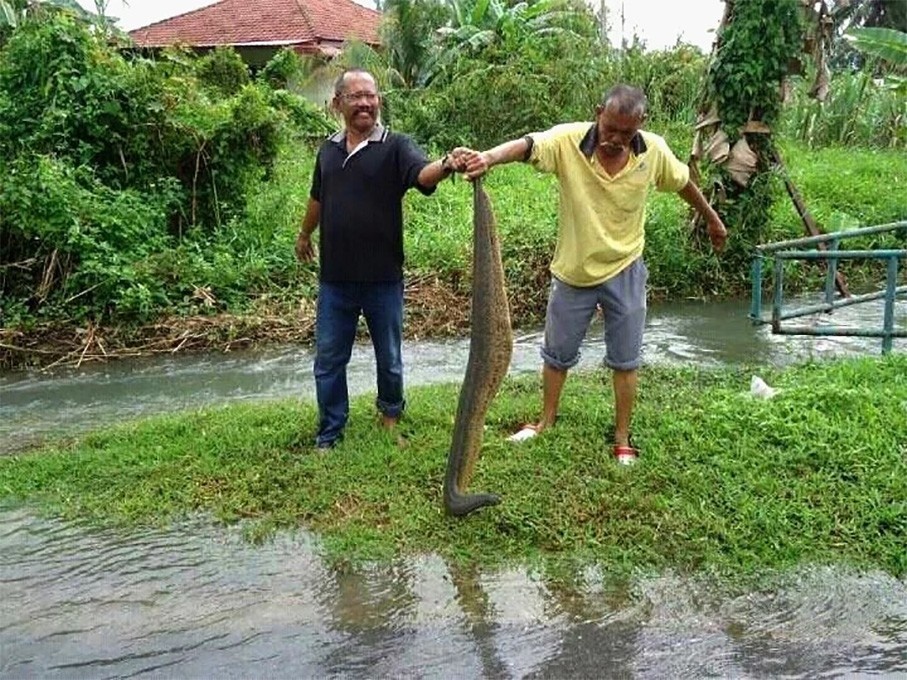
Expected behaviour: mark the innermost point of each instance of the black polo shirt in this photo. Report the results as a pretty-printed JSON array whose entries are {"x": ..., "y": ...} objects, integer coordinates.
[{"x": 361, "y": 197}]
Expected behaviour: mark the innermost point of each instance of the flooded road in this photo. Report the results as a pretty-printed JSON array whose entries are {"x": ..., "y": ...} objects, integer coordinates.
[{"x": 199, "y": 602}]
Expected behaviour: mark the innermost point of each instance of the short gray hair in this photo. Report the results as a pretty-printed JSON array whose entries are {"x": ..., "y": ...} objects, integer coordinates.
[{"x": 628, "y": 100}]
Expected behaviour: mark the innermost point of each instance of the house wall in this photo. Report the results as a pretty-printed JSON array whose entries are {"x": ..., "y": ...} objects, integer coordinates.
[{"x": 257, "y": 57}]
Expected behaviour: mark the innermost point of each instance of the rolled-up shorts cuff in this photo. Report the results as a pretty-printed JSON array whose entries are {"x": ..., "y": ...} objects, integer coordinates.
[
  {"x": 556, "y": 363},
  {"x": 624, "y": 365}
]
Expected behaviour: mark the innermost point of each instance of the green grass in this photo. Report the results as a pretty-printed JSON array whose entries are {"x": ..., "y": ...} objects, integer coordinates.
[
  {"x": 248, "y": 265},
  {"x": 253, "y": 257},
  {"x": 842, "y": 188},
  {"x": 727, "y": 483},
  {"x": 845, "y": 188}
]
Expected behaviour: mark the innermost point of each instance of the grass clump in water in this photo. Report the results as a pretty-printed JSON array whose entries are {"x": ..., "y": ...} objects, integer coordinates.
[{"x": 727, "y": 483}]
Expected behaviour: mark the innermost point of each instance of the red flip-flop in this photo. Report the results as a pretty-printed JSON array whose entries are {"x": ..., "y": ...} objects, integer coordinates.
[{"x": 625, "y": 455}]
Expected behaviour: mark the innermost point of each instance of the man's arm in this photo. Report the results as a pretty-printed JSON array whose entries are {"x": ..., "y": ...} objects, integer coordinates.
[
  {"x": 717, "y": 231},
  {"x": 435, "y": 171},
  {"x": 305, "y": 252},
  {"x": 477, "y": 163}
]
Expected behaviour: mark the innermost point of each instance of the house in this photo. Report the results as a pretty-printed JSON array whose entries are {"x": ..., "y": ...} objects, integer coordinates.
[{"x": 258, "y": 29}]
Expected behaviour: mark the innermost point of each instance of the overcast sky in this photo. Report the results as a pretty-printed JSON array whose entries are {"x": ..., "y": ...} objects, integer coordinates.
[{"x": 658, "y": 22}]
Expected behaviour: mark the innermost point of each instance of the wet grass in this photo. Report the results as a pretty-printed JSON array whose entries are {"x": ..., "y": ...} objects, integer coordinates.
[{"x": 727, "y": 483}]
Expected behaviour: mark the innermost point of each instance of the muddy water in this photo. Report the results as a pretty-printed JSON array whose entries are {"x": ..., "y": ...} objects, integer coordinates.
[
  {"x": 198, "y": 601},
  {"x": 195, "y": 601},
  {"x": 35, "y": 405}
]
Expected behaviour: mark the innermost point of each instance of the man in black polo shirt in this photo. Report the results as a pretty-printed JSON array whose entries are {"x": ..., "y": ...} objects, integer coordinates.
[{"x": 361, "y": 174}]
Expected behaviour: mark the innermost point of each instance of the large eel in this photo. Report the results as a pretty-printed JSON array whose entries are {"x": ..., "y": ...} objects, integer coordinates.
[{"x": 490, "y": 347}]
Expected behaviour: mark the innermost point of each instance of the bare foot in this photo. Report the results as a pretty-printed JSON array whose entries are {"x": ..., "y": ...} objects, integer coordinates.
[{"x": 389, "y": 425}]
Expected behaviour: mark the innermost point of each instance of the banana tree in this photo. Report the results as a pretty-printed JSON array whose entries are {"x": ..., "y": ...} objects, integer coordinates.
[
  {"x": 887, "y": 45},
  {"x": 14, "y": 12},
  {"x": 10, "y": 14},
  {"x": 478, "y": 24}
]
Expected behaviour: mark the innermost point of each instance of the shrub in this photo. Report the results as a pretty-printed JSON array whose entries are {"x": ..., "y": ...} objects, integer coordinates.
[
  {"x": 75, "y": 240},
  {"x": 281, "y": 69},
  {"x": 223, "y": 71}
]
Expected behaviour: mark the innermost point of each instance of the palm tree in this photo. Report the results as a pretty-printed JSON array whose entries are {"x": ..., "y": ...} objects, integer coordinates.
[{"x": 408, "y": 34}]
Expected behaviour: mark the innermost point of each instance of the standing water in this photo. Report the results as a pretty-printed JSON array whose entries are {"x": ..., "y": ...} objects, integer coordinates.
[
  {"x": 196, "y": 600},
  {"x": 35, "y": 405}
]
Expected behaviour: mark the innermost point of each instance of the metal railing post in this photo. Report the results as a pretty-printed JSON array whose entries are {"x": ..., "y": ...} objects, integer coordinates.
[
  {"x": 756, "y": 298},
  {"x": 832, "y": 273},
  {"x": 891, "y": 285},
  {"x": 831, "y": 254},
  {"x": 776, "y": 299}
]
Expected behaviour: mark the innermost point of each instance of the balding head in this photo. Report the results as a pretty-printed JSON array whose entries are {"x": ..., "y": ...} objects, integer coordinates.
[
  {"x": 356, "y": 98},
  {"x": 340, "y": 83},
  {"x": 626, "y": 100}
]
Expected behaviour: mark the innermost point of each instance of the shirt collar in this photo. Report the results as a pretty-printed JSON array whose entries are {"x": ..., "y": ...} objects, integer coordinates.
[
  {"x": 590, "y": 142},
  {"x": 379, "y": 134}
]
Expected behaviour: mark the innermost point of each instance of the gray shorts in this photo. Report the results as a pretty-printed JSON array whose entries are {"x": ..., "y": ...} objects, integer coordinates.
[{"x": 570, "y": 309}]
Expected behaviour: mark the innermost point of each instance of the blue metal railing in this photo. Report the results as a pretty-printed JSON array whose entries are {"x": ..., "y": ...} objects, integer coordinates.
[{"x": 787, "y": 250}]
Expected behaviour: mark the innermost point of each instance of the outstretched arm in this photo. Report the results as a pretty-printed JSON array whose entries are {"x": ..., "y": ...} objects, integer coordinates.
[
  {"x": 717, "y": 231},
  {"x": 480, "y": 162},
  {"x": 452, "y": 162},
  {"x": 435, "y": 171}
]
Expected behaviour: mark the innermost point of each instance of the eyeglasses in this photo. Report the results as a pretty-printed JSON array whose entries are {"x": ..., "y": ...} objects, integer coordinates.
[{"x": 350, "y": 97}]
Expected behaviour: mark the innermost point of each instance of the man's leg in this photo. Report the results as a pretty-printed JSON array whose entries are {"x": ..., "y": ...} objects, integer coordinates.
[
  {"x": 337, "y": 314},
  {"x": 553, "y": 380},
  {"x": 623, "y": 302},
  {"x": 383, "y": 311},
  {"x": 625, "y": 383},
  {"x": 568, "y": 315}
]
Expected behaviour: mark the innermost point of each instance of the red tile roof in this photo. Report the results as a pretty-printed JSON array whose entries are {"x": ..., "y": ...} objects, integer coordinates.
[{"x": 273, "y": 22}]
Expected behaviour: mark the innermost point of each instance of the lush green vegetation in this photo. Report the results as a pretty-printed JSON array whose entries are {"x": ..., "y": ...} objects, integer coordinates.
[
  {"x": 727, "y": 483},
  {"x": 138, "y": 189},
  {"x": 124, "y": 180}
]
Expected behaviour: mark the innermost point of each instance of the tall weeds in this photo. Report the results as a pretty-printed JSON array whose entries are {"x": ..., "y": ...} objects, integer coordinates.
[{"x": 859, "y": 111}]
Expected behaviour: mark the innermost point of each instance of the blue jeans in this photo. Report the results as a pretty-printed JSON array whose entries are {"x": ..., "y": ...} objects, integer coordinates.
[{"x": 337, "y": 316}]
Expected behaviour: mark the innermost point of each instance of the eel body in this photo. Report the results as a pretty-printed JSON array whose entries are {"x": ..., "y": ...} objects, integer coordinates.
[{"x": 490, "y": 348}]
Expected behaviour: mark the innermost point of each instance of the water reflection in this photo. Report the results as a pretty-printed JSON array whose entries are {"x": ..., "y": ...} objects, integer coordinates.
[
  {"x": 197, "y": 601},
  {"x": 35, "y": 405}
]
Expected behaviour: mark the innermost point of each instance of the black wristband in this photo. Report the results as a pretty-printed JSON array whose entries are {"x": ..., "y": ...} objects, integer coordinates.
[{"x": 530, "y": 142}]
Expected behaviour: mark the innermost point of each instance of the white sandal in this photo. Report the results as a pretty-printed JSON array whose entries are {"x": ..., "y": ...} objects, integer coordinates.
[{"x": 526, "y": 432}]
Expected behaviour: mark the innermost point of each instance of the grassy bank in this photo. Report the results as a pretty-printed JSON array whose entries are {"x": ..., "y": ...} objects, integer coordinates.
[
  {"x": 245, "y": 287},
  {"x": 841, "y": 188},
  {"x": 727, "y": 483}
]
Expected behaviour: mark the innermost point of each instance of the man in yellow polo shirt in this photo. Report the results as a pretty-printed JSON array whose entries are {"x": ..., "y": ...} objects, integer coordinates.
[{"x": 604, "y": 171}]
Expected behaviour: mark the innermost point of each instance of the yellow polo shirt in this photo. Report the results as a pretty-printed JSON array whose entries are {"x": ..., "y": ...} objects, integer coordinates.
[{"x": 601, "y": 219}]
